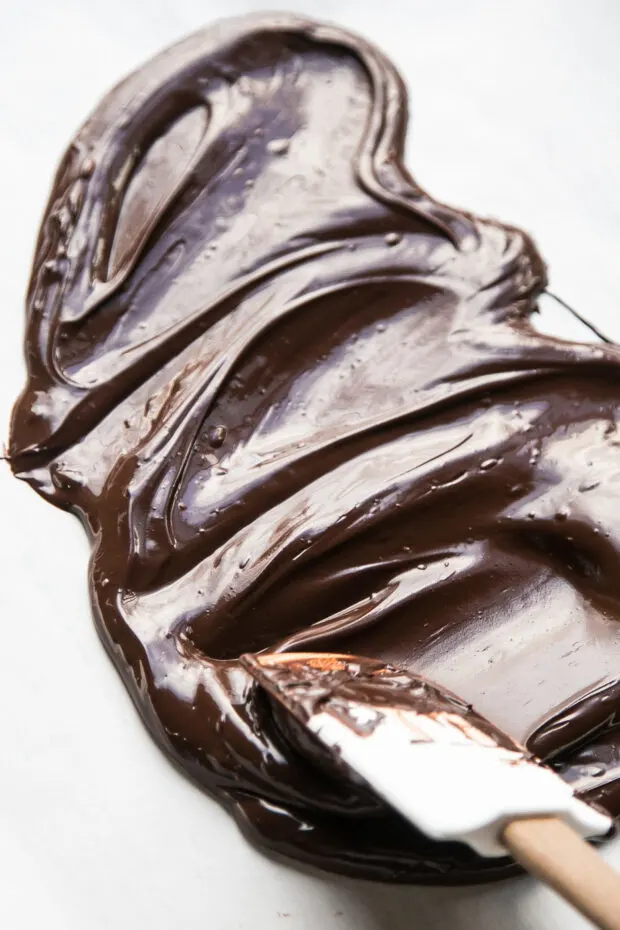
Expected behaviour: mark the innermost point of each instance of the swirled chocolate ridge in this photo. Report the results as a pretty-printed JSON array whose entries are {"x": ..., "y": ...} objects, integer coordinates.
[{"x": 299, "y": 404}]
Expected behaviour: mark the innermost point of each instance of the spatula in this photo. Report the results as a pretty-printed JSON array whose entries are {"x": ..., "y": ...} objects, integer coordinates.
[{"x": 446, "y": 769}]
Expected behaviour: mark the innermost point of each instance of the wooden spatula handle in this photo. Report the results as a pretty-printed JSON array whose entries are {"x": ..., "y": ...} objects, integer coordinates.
[{"x": 549, "y": 849}]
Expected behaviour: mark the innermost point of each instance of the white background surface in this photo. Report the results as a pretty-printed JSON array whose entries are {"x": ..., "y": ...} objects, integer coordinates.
[{"x": 515, "y": 113}]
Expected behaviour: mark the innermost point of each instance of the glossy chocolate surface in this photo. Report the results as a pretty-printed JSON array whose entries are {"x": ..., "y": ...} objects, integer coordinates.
[{"x": 300, "y": 405}]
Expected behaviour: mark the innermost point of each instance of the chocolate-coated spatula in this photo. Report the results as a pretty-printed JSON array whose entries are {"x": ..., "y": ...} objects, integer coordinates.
[{"x": 446, "y": 769}]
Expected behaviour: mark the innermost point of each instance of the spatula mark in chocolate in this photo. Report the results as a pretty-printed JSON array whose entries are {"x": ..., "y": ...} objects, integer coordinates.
[{"x": 297, "y": 401}]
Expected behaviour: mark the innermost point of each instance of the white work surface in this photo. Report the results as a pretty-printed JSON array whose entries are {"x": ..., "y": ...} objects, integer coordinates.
[{"x": 515, "y": 113}]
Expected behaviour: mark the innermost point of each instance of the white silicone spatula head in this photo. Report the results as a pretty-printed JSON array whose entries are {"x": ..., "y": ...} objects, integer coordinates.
[
  {"x": 428, "y": 754},
  {"x": 446, "y": 769}
]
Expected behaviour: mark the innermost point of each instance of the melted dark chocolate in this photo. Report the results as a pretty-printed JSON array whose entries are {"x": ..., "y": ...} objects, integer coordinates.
[{"x": 299, "y": 405}]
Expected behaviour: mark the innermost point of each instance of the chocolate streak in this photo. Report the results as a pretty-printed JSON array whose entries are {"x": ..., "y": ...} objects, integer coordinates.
[{"x": 300, "y": 405}]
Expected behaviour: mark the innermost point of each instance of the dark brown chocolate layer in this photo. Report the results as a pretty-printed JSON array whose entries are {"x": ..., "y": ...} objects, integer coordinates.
[{"x": 300, "y": 405}]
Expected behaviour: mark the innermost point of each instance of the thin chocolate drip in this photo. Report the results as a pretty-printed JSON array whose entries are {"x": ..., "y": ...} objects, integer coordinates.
[{"x": 578, "y": 316}]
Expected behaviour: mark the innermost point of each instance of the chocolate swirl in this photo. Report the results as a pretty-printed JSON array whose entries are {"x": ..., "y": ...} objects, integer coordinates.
[{"x": 300, "y": 404}]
